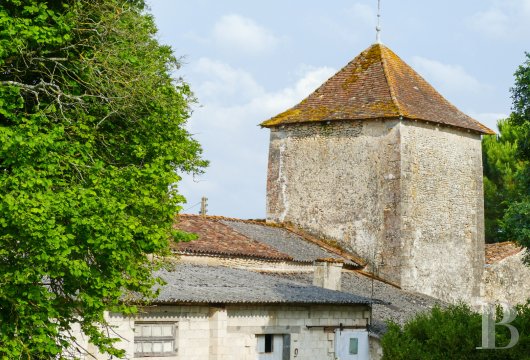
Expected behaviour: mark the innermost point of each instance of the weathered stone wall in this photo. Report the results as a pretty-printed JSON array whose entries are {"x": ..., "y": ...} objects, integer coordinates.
[
  {"x": 192, "y": 338},
  {"x": 339, "y": 181},
  {"x": 404, "y": 195},
  {"x": 327, "y": 275},
  {"x": 507, "y": 281},
  {"x": 442, "y": 211}
]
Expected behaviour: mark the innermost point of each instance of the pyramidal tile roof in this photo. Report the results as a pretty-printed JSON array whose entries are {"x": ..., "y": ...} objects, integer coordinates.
[{"x": 377, "y": 84}]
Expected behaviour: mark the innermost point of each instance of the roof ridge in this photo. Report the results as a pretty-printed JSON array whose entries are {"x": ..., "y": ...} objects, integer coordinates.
[
  {"x": 387, "y": 78},
  {"x": 228, "y": 218}
]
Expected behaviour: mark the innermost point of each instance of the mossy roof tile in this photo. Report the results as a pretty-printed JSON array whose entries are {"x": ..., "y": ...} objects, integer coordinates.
[{"x": 377, "y": 84}]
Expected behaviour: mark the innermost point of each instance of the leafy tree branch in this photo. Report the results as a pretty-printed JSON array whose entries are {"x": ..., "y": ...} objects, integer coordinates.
[{"x": 92, "y": 139}]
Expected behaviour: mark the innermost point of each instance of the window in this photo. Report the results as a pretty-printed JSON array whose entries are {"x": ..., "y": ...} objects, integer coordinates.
[
  {"x": 354, "y": 346},
  {"x": 154, "y": 339},
  {"x": 265, "y": 343}
]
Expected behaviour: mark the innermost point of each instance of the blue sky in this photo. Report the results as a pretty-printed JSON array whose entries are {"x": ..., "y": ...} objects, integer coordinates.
[{"x": 249, "y": 60}]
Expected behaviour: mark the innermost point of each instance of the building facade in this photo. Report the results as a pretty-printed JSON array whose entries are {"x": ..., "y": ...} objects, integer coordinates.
[
  {"x": 221, "y": 313},
  {"x": 378, "y": 161}
]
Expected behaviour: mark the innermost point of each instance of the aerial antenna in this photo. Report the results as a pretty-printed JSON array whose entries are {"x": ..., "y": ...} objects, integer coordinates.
[{"x": 378, "y": 27}]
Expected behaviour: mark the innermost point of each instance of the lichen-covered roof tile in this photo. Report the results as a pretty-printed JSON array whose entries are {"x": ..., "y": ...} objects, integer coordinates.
[
  {"x": 242, "y": 238},
  {"x": 377, "y": 84},
  {"x": 216, "y": 238},
  {"x": 285, "y": 241}
]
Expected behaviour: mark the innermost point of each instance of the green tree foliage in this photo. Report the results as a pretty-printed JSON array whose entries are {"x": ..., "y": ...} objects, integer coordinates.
[
  {"x": 454, "y": 333},
  {"x": 501, "y": 180},
  {"x": 516, "y": 221},
  {"x": 91, "y": 141}
]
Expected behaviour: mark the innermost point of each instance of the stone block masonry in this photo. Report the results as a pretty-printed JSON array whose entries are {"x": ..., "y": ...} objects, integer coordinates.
[{"x": 231, "y": 332}]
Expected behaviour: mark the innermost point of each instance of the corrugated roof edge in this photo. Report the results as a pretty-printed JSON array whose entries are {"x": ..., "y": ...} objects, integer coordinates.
[
  {"x": 356, "y": 302},
  {"x": 229, "y": 254}
]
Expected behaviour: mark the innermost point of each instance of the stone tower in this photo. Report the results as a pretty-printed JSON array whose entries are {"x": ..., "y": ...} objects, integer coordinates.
[{"x": 379, "y": 161}]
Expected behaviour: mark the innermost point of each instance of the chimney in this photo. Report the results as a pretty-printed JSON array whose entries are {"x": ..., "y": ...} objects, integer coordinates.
[{"x": 327, "y": 274}]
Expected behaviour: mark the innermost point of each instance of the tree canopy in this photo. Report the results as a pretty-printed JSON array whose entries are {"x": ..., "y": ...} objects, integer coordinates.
[
  {"x": 501, "y": 178},
  {"x": 92, "y": 140},
  {"x": 507, "y": 168},
  {"x": 454, "y": 332},
  {"x": 516, "y": 221}
]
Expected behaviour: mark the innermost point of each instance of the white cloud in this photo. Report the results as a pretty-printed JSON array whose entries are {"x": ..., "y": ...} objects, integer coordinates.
[
  {"x": 232, "y": 140},
  {"x": 503, "y": 20},
  {"x": 312, "y": 77},
  {"x": 272, "y": 103},
  {"x": 224, "y": 82},
  {"x": 489, "y": 119},
  {"x": 244, "y": 35},
  {"x": 451, "y": 79},
  {"x": 492, "y": 22}
]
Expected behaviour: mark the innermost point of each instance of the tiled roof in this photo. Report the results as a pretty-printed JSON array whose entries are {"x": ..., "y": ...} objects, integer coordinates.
[
  {"x": 400, "y": 305},
  {"x": 249, "y": 238},
  {"x": 222, "y": 285},
  {"x": 285, "y": 241},
  {"x": 220, "y": 239},
  {"x": 498, "y": 251},
  {"x": 377, "y": 84}
]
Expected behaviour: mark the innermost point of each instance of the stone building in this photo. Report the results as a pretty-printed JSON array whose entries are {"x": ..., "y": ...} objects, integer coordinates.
[
  {"x": 374, "y": 213},
  {"x": 506, "y": 277},
  {"x": 380, "y": 162},
  {"x": 219, "y": 313},
  {"x": 250, "y": 290},
  {"x": 287, "y": 252}
]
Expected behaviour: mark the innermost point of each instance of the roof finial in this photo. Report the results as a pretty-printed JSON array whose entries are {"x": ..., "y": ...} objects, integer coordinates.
[{"x": 378, "y": 27}]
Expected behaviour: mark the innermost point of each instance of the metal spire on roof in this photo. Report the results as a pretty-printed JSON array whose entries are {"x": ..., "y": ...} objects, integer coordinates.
[{"x": 378, "y": 27}]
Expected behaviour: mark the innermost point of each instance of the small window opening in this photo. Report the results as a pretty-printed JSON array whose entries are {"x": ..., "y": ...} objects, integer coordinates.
[
  {"x": 268, "y": 343},
  {"x": 265, "y": 343}
]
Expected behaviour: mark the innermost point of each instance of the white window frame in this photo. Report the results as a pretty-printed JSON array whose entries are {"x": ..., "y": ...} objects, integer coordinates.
[
  {"x": 262, "y": 339},
  {"x": 155, "y": 338}
]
